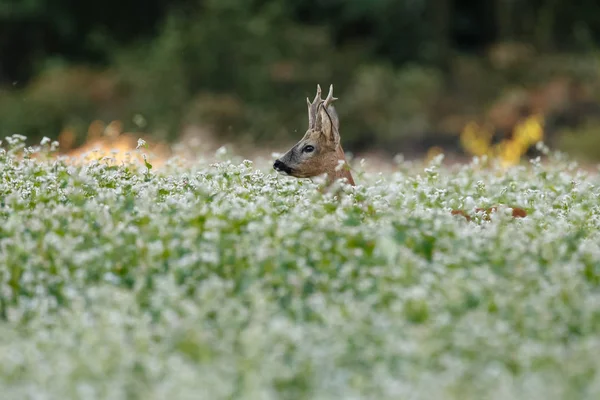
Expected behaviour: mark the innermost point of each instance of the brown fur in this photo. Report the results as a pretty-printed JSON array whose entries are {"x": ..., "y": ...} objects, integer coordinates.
[{"x": 516, "y": 212}]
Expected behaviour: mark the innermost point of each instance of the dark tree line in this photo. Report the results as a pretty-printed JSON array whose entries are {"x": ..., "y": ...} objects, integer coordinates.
[
  {"x": 411, "y": 73},
  {"x": 35, "y": 32}
]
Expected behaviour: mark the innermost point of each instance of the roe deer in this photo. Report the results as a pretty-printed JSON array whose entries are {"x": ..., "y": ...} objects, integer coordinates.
[{"x": 320, "y": 151}]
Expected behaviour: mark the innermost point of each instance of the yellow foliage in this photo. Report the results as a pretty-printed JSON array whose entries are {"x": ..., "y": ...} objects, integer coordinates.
[{"x": 476, "y": 140}]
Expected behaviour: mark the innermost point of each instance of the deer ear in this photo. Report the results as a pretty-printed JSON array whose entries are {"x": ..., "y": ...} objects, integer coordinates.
[
  {"x": 328, "y": 119},
  {"x": 329, "y": 124}
]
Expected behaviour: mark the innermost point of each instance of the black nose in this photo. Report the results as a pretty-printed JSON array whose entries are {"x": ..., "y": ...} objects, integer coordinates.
[{"x": 280, "y": 166}]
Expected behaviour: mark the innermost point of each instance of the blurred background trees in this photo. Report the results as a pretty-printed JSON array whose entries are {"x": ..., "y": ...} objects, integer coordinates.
[{"x": 411, "y": 75}]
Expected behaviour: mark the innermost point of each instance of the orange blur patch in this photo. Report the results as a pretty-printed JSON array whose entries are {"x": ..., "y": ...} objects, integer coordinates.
[{"x": 109, "y": 144}]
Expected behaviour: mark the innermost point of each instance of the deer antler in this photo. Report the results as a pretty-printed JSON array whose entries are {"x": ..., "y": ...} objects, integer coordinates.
[
  {"x": 312, "y": 107},
  {"x": 330, "y": 99},
  {"x": 325, "y": 112}
]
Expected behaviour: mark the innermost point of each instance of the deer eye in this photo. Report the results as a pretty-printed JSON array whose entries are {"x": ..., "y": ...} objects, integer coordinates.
[{"x": 308, "y": 149}]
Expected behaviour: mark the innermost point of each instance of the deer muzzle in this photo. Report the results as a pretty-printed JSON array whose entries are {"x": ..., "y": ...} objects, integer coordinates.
[{"x": 280, "y": 166}]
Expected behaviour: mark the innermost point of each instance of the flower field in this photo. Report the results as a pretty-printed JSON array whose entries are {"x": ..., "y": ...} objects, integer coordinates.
[{"x": 225, "y": 280}]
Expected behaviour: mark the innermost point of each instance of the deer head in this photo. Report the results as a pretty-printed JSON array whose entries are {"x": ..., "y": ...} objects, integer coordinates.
[{"x": 319, "y": 151}]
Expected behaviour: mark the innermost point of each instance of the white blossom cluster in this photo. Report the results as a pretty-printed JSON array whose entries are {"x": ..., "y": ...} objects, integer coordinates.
[{"x": 226, "y": 280}]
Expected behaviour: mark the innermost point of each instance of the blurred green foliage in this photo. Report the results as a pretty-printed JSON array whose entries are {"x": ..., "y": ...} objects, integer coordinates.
[
  {"x": 406, "y": 72},
  {"x": 582, "y": 143}
]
